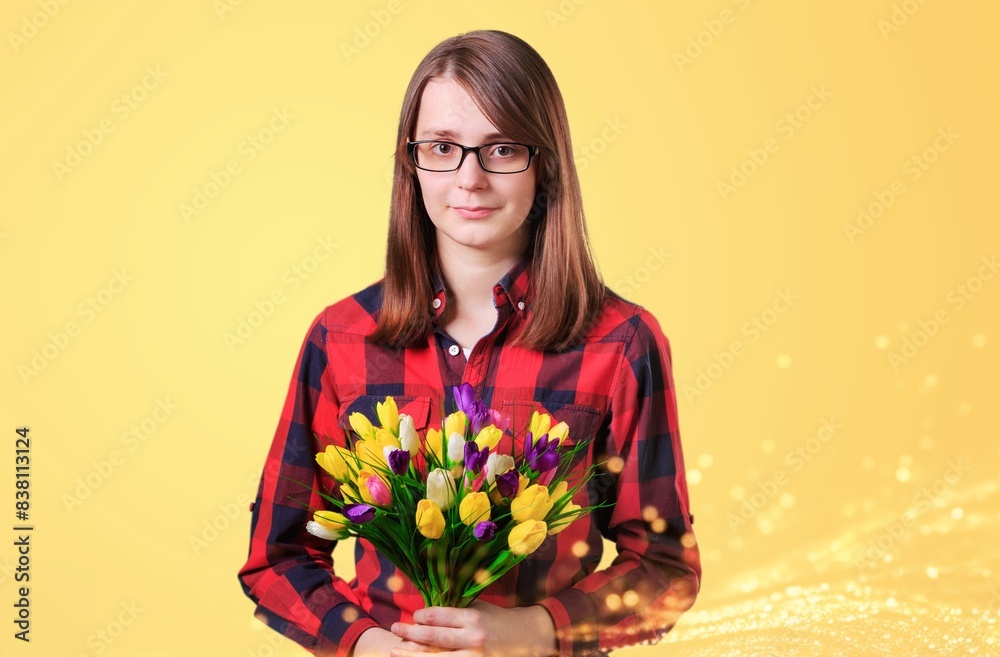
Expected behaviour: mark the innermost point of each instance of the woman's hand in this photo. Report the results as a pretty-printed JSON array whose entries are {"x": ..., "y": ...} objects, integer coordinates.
[
  {"x": 376, "y": 642},
  {"x": 479, "y": 630}
]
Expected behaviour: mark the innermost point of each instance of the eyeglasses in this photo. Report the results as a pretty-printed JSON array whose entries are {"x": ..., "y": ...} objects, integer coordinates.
[{"x": 434, "y": 155}]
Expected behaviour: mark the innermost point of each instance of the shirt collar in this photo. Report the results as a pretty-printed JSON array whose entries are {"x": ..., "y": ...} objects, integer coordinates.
[{"x": 513, "y": 286}]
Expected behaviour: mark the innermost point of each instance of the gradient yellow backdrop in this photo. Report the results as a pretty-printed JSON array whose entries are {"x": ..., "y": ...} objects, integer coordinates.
[{"x": 798, "y": 191}]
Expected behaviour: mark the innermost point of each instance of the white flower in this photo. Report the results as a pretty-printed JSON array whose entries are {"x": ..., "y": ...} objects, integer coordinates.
[
  {"x": 497, "y": 464},
  {"x": 456, "y": 448},
  {"x": 441, "y": 488},
  {"x": 408, "y": 438},
  {"x": 319, "y": 530}
]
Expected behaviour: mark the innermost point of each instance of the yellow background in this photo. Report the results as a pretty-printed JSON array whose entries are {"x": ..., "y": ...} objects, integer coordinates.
[{"x": 881, "y": 543}]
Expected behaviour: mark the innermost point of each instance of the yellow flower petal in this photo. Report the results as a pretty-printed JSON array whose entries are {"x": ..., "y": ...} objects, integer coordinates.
[
  {"x": 429, "y": 519},
  {"x": 526, "y": 536}
]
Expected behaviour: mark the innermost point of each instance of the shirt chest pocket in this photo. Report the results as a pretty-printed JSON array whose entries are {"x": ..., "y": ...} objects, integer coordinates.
[
  {"x": 416, "y": 407},
  {"x": 583, "y": 422}
]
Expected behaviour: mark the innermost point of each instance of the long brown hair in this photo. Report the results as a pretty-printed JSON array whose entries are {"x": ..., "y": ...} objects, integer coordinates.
[{"x": 517, "y": 92}]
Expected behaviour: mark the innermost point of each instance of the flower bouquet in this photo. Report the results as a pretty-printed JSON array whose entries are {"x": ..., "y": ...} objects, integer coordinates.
[{"x": 447, "y": 509}]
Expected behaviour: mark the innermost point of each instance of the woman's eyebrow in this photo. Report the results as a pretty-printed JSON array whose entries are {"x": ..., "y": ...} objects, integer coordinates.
[{"x": 451, "y": 134}]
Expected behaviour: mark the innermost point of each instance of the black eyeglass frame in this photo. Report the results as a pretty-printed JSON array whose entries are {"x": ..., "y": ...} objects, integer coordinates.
[{"x": 412, "y": 146}]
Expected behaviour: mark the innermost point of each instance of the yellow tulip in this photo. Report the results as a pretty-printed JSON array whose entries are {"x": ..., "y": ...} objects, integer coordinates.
[
  {"x": 455, "y": 423},
  {"x": 560, "y": 431},
  {"x": 370, "y": 454},
  {"x": 388, "y": 414},
  {"x": 333, "y": 460},
  {"x": 362, "y": 426},
  {"x": 331, "y": 520},
  {"x": 475, "y": 507},
  {"x": 384, "y": 438},
  {"x": 540, "y": 423},
  {"x": 435, "y": 444},
  {"x": 363, "y": 476},
  {"x": 488, "y": 437},
  {"x": 526, "y": 536},
  {"x": 430, "y": 520},
  {"x": 561, "y": 489},
  {"x": 532, "y": 503},
  {"x": 557, "y": 526}
]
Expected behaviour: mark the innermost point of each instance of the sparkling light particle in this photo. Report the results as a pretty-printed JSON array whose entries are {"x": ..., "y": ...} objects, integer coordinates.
[
  {"x": 903, "y": 474},
  {"x": 649, "y": 513},
  {"x": 786, "y": 501},
  {"x": 930, "y": 380},
  {"x": 737, "y": 492},
  {"x": 615, "y": 464},
  {"x": 658, "y": 526},
  {"x": 768, "y": 446},
  {"x": 881, "y": 341},
  {"x": 694, "y": 476},
  {"x": 613, "y": 602},
  {"x": 926, "y": 442},
  {"x": 957, "y": 513},
  {"x": 705, "y": 461},
  {"x": 580, "y": 549},
  {"x": 932, "y": 572},
  {"x": 688, "y": 540},
  {"x": 964, "y": 408},
  {"x": 979, "y": 341},
  {"x": 783, "y": 361},
  {"x": 394, "y": 583},
  {"x": 631, "y": 598}
]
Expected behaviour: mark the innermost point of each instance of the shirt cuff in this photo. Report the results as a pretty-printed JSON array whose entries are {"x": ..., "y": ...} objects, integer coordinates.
[
  {"x": 342, "y": 627},
  {"x": 575, "y": 620}
]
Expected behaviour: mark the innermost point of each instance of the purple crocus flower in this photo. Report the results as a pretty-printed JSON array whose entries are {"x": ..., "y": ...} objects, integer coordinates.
[
  {"x": 359, "y": 513},
  {"x": 475, "y": 458},
  {"x": 465, "y": 398},
  {"x": 485, "y": 530},
  {"x": 541, "y": 455},
  {"x": 508, "y": 483},
  {"x": 399, "y": 461}
]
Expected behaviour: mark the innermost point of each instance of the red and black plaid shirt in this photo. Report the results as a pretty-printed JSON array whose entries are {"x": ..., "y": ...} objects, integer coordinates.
[{"x": 614, "y": 389}]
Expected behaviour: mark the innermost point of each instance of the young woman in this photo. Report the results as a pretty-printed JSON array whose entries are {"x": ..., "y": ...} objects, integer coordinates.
[{"x": 489, "y": 280}]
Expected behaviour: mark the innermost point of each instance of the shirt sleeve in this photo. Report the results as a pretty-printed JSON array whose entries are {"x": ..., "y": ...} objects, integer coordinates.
[
  {"x": 656, "y": 575},
  {"x": 289, "y": 572}
]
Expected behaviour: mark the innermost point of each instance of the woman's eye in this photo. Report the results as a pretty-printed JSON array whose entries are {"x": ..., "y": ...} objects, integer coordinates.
[
  {"x": 442, "y": 148},
  {"x": 503, "y": 150}
]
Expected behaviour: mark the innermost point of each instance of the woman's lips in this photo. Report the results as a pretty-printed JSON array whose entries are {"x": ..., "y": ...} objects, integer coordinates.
[{"x": 477, "y": 212}]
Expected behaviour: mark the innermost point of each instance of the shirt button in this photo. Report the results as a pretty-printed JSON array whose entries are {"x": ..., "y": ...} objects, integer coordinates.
[
  {"x": 436, "y": 303},
  {"x": 520, "y": 305},
  {"x": 453, "y": 350}
]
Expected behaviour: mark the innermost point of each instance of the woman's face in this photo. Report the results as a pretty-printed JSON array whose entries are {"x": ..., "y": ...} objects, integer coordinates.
[{"x": 451, "y": 198}]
